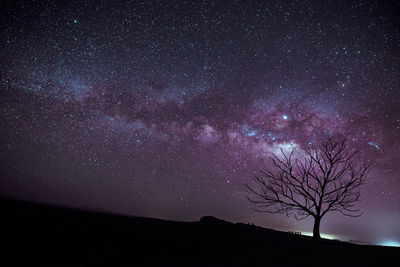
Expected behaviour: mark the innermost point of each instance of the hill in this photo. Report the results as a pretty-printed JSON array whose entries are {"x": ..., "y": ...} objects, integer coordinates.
[{"x": 35, "y": 234}]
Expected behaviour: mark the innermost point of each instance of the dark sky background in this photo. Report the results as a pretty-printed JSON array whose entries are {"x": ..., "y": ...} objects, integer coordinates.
[{"x": 166, "y": 108}]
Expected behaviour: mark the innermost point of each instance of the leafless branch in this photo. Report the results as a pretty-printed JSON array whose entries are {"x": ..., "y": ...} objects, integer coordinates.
[{"x": 328, "y": 179}]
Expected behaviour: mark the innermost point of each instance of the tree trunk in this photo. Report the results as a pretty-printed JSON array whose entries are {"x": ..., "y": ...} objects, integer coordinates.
[{"x": 317, "y": 222}]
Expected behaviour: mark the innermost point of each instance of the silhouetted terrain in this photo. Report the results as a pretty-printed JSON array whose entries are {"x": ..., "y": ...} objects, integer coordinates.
[{"x": 42, "y": 235}]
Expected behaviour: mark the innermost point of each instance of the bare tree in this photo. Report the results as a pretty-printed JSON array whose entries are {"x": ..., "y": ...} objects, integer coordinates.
[{"x": 328, "y": 179}]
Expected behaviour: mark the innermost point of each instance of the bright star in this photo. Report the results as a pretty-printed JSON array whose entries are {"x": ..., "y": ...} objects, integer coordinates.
[
  {"x": 252, "y": 133},
  {"x": 373, "y": 144},
  {"x": 285, "y": 117}
]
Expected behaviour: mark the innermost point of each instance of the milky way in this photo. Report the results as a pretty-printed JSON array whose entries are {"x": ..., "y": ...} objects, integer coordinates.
[{"x": 166, "y": 108}]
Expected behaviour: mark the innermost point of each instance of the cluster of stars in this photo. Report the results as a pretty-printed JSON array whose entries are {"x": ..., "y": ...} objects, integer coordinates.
[{"x": 165, "y": 109}]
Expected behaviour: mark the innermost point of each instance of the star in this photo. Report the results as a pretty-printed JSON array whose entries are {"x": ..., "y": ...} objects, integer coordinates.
[{"x": 179, "y": 99}]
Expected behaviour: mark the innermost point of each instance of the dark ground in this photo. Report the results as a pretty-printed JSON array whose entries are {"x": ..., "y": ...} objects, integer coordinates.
[{"x": 41, "y": 235}]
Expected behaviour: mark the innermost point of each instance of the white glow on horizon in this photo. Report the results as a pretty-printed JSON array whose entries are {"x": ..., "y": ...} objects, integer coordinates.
[
  {"x": 326, "y": 236},
  {"x": 390, "y": 243}
]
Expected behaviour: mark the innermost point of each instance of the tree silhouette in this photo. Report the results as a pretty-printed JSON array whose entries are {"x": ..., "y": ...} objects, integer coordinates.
[{"x": 328, "y": 179}]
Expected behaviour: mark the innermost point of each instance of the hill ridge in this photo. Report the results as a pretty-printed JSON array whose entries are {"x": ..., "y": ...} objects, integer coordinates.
[{"x": 40, "y": 234}]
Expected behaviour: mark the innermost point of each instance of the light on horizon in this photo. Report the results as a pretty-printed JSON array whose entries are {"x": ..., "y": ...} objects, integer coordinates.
[
  {"x": 326, "y": 236},
  {"x": 390, "y": 243}
]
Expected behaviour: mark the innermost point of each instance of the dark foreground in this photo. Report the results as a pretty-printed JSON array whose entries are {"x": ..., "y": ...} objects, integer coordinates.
[{"x": 41, "y": 235}]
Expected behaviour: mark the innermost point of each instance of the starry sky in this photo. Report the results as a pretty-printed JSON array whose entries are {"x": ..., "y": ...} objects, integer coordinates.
[{"x": 166, "y": 108}]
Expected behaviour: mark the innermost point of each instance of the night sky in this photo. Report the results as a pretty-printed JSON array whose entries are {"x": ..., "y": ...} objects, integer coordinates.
[{"x": 166, "y": 108}]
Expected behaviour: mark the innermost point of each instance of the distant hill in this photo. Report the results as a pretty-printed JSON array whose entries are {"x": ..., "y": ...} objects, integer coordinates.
[{"x": 42, "y": 235}]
